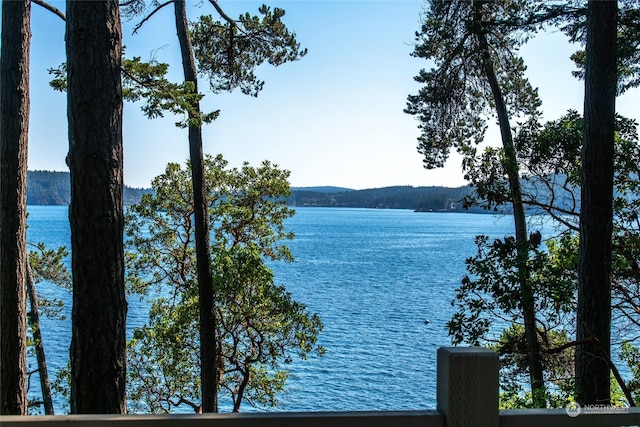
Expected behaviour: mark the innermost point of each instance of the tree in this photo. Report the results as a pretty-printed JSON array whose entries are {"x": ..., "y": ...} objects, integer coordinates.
[
  {"x": 491, "y": 291},
  {"x": 259, "y": 326},
  {"x": 208, "y": 363},
  {"x": 98, "y": 344},
  {"x": 609, "y": 65},
  {"x": 631, "y": 355},
  {"x": 596, "y": 207},
  {"x": 243, "y": 53},
  {"x": 44, "y": 265},
  {"x": 34, "y": 324},
  {"x": 14, "y": 128},
  {"x": 550, "y": 156},
  {"x": 572, "y": 21},
  {"x": 626, "y": 237},
  {"x": 478, "y": 73}
]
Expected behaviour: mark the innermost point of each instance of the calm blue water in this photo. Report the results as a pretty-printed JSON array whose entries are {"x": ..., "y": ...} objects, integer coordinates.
[{"x": 373, "y": 276}]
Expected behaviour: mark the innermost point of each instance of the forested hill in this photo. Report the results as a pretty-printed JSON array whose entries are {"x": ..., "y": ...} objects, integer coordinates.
[
  {"x": 423, "y": 199},
  {"x": 54, "y": 188}
]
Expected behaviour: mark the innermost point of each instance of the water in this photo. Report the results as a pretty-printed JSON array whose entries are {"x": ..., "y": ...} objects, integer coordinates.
[{"x": 374, "y": 276}]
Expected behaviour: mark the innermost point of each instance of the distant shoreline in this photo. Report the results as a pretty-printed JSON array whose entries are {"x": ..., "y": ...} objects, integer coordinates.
[{"x": 49, "y": 188}]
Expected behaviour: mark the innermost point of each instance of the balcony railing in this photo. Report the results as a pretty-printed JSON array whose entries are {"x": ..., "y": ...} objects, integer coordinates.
[{"x": 467, "y": 395}]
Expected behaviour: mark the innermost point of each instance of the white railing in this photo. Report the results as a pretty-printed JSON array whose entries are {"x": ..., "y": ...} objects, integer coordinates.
[{"x": 467, "y": 395}]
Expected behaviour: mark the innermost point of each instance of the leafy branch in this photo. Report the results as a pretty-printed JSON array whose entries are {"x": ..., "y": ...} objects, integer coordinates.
[{"x": 147, "y": 81}]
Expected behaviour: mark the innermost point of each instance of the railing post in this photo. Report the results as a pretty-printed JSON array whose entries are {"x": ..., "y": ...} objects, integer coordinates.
[{"x": 468, "y": 386}]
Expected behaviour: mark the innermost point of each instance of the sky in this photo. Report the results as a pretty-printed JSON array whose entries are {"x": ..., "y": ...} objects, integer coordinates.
[{"x": 333, "y": 118}]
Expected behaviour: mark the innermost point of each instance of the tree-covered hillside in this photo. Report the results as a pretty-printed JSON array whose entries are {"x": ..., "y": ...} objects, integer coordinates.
[
  {"x": 423, "y": 199},
  {"x": 48, "y": 188},
  {"x": 54, "y": 188}
]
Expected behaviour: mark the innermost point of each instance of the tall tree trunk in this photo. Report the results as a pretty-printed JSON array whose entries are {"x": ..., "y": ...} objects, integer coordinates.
[
  {"x": 34, "y": 322},
  {"x": 98, "y": 343},
  {"x": 208, "y": 356},
  {"x": 14, "y": 128},
  {"x": 536, "y": 373},
  {"x": 596, "y": 207}
]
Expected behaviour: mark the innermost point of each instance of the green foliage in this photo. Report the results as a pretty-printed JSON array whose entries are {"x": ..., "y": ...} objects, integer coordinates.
[
  {"x": 146, "y": 81},
  {"x": 477, "y": 75},
  {"x": 626, "y": 230},
  {"x": 47, "y": 265},
  {"x": 464, "y": 40},
  {"x": 551, "y": 162},
  {"x": 553, "y": 148},
  {"x": 259, "y": 327},
  {"x": 59, "y": 80},
  {"x": 492, "y": 290},
  {"x": 573, "y": 23},
  {"x": 558, "y": 367},
  {"x": 550, "y": 156},
  {"x": 229, "y": 52},
  {"x": 61, "y": 384},
  {"x": 550, "y": 159},
  {"x": 562, "y": 394},
  {"x": 163, "y": 357},
  {"x": 631, "y": 356},
  {"x": 487, "y": 175},
  {"x": 455, "y": 100},
  {"x": 492, "y": 297}
]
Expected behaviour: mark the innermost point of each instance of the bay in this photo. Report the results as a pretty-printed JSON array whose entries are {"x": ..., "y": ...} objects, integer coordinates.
[{"x": 381, "y": 280}]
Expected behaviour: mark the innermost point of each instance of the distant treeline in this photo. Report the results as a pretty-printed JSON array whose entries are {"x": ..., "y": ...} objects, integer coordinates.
[
  {"x": 54, "y": 188},
  {"x": 421, "y": 199}
]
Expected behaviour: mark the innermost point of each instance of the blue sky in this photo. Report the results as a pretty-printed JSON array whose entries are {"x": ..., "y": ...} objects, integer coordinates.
[{"x": 333, "y": 118}]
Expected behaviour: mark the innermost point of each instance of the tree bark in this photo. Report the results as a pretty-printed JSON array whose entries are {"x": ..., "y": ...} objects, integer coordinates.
[
  {"x": 14, "y": 128},
  {"x": 34, "y": 322},
  {"x": 536, "y": 372},
  {"x": 208, "y": 366},
  {"x": 98, "y": 343},
  {"x": 596, "y": 207}
]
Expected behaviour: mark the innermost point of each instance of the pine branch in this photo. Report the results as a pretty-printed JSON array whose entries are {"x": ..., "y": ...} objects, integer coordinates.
[
  {"x": 50, "y": 8},
  {"x": 153, "y": 12}
]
